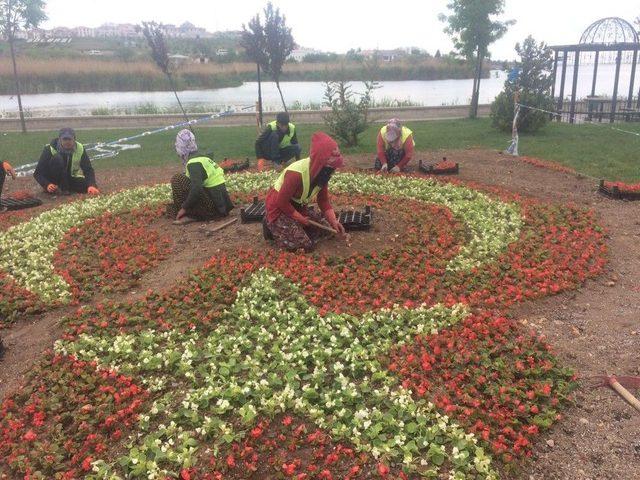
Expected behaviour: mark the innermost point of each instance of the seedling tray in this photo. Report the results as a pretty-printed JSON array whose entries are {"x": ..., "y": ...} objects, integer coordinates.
[
  {"x": 615, "y": 193},
  {"x": 350, "y": 219},
  {"x": 432, "y": 170},
  {"x": 354, "y": 220},
  {"x": 235, "y": 167},
  {"x": 254, "y": 212},
  {"x": 19, "y": 204}
]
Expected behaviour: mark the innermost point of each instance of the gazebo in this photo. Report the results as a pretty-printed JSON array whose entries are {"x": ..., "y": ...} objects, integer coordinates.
[{"x": 612, "y": 38}]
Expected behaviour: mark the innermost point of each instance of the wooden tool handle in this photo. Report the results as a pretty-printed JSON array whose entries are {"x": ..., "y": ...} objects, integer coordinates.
[
  {"x": 624, "y": 393},
  {"x": 220, "y": 227},
  {"x": 323, "y": 227}
]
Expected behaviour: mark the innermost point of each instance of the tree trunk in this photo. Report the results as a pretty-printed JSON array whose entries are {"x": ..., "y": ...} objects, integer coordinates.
[
  {"x": 15, "y": 76},
  {"x": 281, "y": 97},
  {"x": 473, "y": 92},
  {"x": 473, "y": 113},
  {"x": 259, "y": 96},
  {"x": 175, "y": 92}
]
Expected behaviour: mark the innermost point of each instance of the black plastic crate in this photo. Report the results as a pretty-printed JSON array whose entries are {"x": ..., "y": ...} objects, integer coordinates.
[
  {"x": 355, "y": 220},
  {"x": 254, "y": 212},
  {"x": 430, "y": 169},
  {"x": 617, "y": 194},
  {"x": 15, "y": 204}
]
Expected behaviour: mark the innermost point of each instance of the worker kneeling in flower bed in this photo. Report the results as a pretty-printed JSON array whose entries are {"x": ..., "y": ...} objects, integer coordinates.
[
  {"x": 64, "y": 166},
  {"x": 200, "y": 193},
  {"x": 287, "y": 218},
  {"x": 395, "y": 147}
]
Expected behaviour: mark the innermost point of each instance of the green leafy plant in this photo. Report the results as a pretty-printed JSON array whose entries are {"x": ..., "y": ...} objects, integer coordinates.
[
  {"x": 533, "y": 85},
  {"x": 349, "y": 111}
]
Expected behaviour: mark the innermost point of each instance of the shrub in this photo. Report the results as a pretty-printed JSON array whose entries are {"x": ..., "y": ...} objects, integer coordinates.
[
  {"x": 349, "y": 116},
  {"x": 534, "y": 84}
]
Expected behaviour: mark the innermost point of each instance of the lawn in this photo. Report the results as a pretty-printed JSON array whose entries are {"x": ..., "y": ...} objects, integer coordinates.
[{"x": 594, "y": 150}]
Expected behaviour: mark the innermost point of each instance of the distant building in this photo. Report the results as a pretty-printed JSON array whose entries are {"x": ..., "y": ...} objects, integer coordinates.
[
  {"x": 113, "y": 30},
  {"x": 299, "y": 53},
  {"x": 385, "y": 55},
  {"x": 83, "y": 32}
]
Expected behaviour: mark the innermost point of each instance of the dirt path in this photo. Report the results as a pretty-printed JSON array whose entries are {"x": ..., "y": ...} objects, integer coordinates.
[{"x": 594, "y": 330}]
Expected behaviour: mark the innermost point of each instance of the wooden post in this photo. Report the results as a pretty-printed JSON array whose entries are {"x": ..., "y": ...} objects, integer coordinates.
[
  {"x": 562, "y": 80},
  {"x": 553, "y": 74},
  {"x": 614, "y": 99},
  {"x": 574, "y": 90},
  {"x": 595, "y": 74},
  {"x": 632, "y": 80}
]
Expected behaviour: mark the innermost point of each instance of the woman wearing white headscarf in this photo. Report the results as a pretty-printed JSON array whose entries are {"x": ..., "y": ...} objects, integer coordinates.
[
  {"x": 395, "y": 147},
  {"x": 200, "y": 193}
]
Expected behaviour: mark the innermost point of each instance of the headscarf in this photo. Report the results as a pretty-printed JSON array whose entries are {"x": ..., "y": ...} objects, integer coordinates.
[
  {"x": 324, "y": 152},
  {"x": 185, "y": 144},
  {"x": 394, "y": 133}
]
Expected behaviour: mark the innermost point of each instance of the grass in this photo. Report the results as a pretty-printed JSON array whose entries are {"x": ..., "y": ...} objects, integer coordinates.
[{"x": 594, "y": 150}]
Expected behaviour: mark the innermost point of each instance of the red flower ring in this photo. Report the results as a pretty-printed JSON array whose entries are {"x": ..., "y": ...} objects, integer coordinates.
[{"x": 495, "y": 379}]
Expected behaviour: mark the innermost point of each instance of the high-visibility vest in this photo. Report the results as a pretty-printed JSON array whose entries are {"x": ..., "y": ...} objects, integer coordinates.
[
  {"x": 303, "y": 168},
  {"x": 215, "y": 174},
  {"x": 76, "y": 171},
  {"x": 286, "y": 140},
  {"x": 405, "y": 134}
]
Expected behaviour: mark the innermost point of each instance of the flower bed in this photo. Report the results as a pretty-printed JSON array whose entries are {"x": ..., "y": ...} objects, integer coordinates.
[
  {"x": 536, "y": 162},
  {"x": 109, "y": 253},
  {"x": 391, "y": 363}
]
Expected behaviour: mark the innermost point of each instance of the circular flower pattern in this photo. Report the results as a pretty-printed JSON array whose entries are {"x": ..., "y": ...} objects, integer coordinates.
[{"x": 396, "y": 363}]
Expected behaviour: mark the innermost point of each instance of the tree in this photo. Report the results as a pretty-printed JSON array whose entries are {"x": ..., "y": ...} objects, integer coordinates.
[
  {"x": 154, "y": 34},
  {"x": 349, "y": 115},
  {"x": 473, "y": 27},
  {"x": 253, "y": 41},
  {"x": 278, "y": 44},
  {"x": 14, "y": 16},
  {"x": 532, "y": 79}
]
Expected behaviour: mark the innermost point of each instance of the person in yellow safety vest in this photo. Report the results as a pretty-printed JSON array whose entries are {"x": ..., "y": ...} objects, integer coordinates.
[
  {"x": 394, "y": 147},
  {"x": 64, "y": 166},
  {"x": 286, "y": 214},
  {"x": 200, "y": 193},
  {"x": 278, "y": 142}
]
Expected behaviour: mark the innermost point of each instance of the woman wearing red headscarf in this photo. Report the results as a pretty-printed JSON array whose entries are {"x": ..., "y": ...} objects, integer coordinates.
[{"x": 287, "y": 216}]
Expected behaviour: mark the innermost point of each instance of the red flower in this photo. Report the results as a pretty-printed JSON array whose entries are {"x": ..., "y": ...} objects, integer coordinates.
[
  {"x": 383, "y": 470},
  {"x": 86, "y": 464}
]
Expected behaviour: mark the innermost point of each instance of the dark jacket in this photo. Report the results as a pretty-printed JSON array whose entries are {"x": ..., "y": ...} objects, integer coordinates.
[
  {"x": 45, "y": 172},
  {"x": 262, "y": 145}
]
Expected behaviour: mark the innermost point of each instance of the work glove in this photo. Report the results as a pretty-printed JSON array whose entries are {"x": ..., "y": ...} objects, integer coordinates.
[
  {"x": 384, "y": 167},
  {"x": 93, "y": 191},
  {"x": 8, "y": 169},
  {"x": 396, "y": 169},
  {"x": 52, "y": 188}
]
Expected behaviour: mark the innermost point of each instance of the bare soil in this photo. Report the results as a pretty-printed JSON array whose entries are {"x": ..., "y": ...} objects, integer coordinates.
[{"x": 595, "y": 330}]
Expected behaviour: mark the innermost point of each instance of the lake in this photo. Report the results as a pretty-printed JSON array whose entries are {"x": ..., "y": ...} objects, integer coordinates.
[{"x": 427, "y": 93}]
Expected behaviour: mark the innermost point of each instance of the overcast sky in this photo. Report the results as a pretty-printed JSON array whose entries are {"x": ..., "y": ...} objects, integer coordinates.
[{"x": 338, "y": 25}]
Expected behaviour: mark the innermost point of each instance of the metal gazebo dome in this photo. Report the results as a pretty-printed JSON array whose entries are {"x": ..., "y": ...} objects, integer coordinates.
[{"x": 608, "y": 31}]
